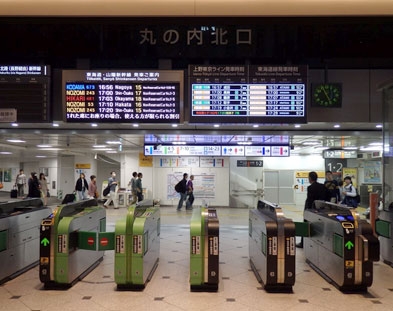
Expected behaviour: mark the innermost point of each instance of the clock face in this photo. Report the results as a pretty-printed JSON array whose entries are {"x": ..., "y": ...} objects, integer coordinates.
[{"x": 326, "y": 95}]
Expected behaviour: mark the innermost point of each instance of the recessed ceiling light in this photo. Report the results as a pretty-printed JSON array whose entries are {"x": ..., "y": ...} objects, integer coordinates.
[
  {"x": 311, "y": 143},
  {"x": 135, "y": 125},
  {"x": 350, "y": 148},
  {"x": 113, "y": 142},
  {"x": 255, "y": 125},
  {"x": 111, "y": 151},
  {"x": 50, "y": 149},
  {"x": 179, "y": 143},
  {"x": 94, "y": 124},
  {"x": 40, "y": 156},
  {"x": 55, "y": 124},
  {"x": 99, "y": 146},
  {"x": 16, "y": 141},
  {"x": 216, "y": 125},
  {"x": 5, "y": 152},
  {"x": 337, "y": 125},
  {"x": 375, "y": 144},
  {"x": 297, "y": 125},
  {"x": 14, "y": 124},
  {"x": 103, "y": 149},
  {"x": 379, "y": 126},
  {"x": 174, "y": 125},
  {"x": 44, "y": 146}
]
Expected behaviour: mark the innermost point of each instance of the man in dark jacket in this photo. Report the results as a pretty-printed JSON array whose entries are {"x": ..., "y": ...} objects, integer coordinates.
[
  {"x": 315, "y": 191},
  {"x": 183, "y": 192}
]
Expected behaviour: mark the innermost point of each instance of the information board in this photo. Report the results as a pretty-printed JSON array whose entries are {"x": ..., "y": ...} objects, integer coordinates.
[
  {"x": 142, "y": 96},
  {"x": 27, "y": 89},
  {"x": 248, "y": 94}
]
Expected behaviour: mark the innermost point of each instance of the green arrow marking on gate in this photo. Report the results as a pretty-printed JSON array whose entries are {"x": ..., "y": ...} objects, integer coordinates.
[
  {"x": 349, "y": 245},
  {"x": 45, "y": 241}
]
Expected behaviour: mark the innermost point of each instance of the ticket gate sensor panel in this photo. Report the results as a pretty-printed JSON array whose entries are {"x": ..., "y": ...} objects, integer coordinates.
[
  {"x": 204, "y": 250},
  {"x": 341, "y": 246},
  {"x": 272, "y": 247},
  {"x": 62, "y": 261},
  {"x": 137, "y": 246},
  {"x": 20, "y": 236}
]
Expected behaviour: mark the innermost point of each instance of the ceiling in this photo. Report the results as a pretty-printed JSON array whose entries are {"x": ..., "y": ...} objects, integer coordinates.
[{"x": 47, "y": 140}]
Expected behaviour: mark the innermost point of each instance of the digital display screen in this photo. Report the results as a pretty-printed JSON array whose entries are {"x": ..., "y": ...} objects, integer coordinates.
[
  {"x": 345, "y": 218},
  {"x": 25, "y": 90},
  {"x": 123, "y": 96},
  {"x": 248, "y": 94}
]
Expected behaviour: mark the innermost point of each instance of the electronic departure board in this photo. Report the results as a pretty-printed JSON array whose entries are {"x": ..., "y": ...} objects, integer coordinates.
[
  {"x": 248, "y": 94},
  {"x": 137, "y": 96},
  {"x": 24, "y": 93}
]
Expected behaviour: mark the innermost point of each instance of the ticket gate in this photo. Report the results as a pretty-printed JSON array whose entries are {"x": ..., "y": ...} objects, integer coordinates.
[
  {"x": 341, "y": 246},
  {"x": 272, "y": 247},
  {"x": 384, "y": 229},
  {"x": 19, "y": 236},
  {"x": 204, "y": 242},
  {"x": 137, "y": 246},
  {"x": 62, "y": 259}
]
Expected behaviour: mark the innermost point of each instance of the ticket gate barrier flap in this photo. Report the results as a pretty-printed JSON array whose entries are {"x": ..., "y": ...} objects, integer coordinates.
[
  {"x": 383, "y": 228},
  {"x": 302, "y": 229},
  {"x": 20, "y": 236}
]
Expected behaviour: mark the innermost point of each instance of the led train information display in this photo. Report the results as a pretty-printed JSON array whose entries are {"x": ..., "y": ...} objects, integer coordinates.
[
  {"x": 248, "y": 94},
  {"x": 123, "y": 96},
  {"x": 25, "y": 93}
]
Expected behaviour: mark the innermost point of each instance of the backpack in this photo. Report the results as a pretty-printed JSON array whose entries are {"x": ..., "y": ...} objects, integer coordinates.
[{"x": 179, "y": 187}]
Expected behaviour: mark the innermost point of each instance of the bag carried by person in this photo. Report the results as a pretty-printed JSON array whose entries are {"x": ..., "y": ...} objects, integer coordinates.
[
  {"x": 106, "y": 191},
  {"x": 69, "y": 198},
  {"x": 179, "y": 187},
  {"x": 47, "y": 194},
  {"x": 14, "y": 193}
]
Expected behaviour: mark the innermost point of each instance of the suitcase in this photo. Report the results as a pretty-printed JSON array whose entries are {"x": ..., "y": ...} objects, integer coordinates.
[
  {"x": 14, "y": 193},
  {"x": 69, "y": 198}
]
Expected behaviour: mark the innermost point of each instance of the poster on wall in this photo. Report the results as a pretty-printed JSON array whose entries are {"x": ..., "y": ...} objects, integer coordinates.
[
  {"x": 204, "y": 185},
  {"x": 372, "y": 172},
  {"x": 302, "y": 182},
  {"x": 351, "y": 172},
  {"x": 145, "y": 161},
  {"x": 179, "y": 162},
  {"x": 7, "y": 175},
  {"x": 211, "y": 162},
  {"x": 84, "y": 168}
]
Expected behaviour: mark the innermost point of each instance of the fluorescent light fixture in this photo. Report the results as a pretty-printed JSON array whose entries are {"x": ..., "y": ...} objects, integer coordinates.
[
  {"x": 111, "y": 151},
  {"x": 350, "y": 148},
  {"x": 14, "y": 124},
  {"x": 55, "y": 124},
  {"x": 374, "y": 148},
  {"x": 311, "y": 143},
  {"x": 16, "y": 141},
  {"x": 5, "y": 152},
  {"x": 255, "y": 125},
  {"x": 174, "y": 125},
  {"x": 51, "y": 149},
  {"x": 244, "y": 143},
  {"x": 99, "y": 146},
  {"x": 44, "y": 146},
  {"x": 135, "y": 125},
  {"x": 375, "y": 144},
  {"x": 94, "y": 124},
  {"x": 40, "y": 156},
  {"x": 297, "y": 125},
  {"x": 103, "y": 149},
  {"x": 379, "y": 126},
  {"x": 337, "y": 126},
  {"x": 321, "y": 148},
  {"x": 216, "y": 125},
  {"x": 113, "y": 142},
  {"x": 178, "y": 143}
]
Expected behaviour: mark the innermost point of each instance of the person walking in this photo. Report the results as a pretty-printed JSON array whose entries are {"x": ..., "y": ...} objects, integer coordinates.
[
  {"x": 133, "y": 187},
  {"x": 315, "y": 191},
  {"x": 112, "y": 183},
  {"x": 20, "y": 183},
  {"x": 34, "y": 186},
  {"x": 138, "y": 187},
  {"x": 92, "y": 192},
  {"x": 43, "y": 188},
  {"x": 190, "y": 192},
  {"x": 182, "y": 192},
  {"x": 81, "y": 187}
]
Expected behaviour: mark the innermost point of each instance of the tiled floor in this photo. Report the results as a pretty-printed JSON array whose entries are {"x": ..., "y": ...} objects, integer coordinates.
[{"x": 169, "y": 288}]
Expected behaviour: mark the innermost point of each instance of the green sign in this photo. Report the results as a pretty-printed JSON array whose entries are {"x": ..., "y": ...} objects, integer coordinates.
[
  {"x": 349, "y": 245},
  {"x": 45, "y": 241}
]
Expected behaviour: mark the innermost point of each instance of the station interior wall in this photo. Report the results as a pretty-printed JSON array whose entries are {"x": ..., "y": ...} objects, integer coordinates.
[{"x": 228, "y": 179}]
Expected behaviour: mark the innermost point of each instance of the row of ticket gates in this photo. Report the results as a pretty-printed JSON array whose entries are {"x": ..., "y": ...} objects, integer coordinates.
[{"x": 72, "y": 239}]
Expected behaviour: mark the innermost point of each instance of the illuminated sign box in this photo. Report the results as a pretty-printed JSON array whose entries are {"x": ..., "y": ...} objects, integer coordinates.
[{"x": 137, "y": 96}]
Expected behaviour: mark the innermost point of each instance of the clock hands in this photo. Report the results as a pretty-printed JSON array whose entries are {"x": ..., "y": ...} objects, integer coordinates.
[{"x": 327, "y": 95}]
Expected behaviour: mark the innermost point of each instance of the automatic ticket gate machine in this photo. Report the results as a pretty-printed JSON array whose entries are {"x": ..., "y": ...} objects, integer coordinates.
[
  {"x": 272, "y": 247},
  {"x": 137, "y": 246},
  {"x": 384, "y": 228},
  {"x": 204, "y": 252},
  {"x": 341, "y": 246},
  {"x": 19, "y": 236},
  {"x": 63, "y": 261}
]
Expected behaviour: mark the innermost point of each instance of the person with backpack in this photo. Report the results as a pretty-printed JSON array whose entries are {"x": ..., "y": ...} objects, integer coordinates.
[
  {"x": 182, "y": 190},
  {"x": 350, "y": 193}
]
